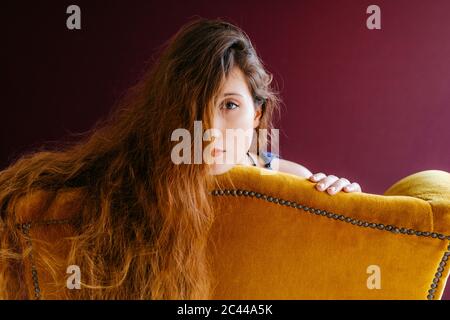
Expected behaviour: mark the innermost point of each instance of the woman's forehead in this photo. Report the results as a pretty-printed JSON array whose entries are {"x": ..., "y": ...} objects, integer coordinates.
[{"x": 236, "y": 83}]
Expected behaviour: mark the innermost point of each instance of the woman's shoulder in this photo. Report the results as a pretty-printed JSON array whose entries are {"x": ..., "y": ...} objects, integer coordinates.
[
  {"x": 267, "y": 158},
  {"x": 274, "y": 161},
  {"x": 291, "y": 167}
]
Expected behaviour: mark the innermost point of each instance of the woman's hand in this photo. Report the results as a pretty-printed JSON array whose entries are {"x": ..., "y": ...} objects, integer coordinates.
[{"x": 333, "y": 184}]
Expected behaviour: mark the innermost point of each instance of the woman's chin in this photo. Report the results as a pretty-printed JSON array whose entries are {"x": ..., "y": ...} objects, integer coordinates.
[{"x": 216, "y": 169}]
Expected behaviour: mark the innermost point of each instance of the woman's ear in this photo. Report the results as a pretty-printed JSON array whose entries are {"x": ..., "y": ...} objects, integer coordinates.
[{"x": 258, "y": 115}]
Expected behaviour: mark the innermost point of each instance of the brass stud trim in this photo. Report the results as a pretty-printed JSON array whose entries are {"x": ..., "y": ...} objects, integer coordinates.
[
  {"x": 25, "y": 228},
  {"x": 353, "y": 221}
]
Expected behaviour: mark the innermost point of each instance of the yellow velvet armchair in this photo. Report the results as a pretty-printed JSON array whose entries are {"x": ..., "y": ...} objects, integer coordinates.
[{"x": 277, "y": 237}]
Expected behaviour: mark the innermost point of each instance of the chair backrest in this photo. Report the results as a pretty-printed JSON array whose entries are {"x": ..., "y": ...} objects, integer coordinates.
[{"x": 277, "y": 237}]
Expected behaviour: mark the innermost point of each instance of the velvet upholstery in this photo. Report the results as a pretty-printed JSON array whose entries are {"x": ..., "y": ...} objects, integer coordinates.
[{"x": 276, "y": 237}]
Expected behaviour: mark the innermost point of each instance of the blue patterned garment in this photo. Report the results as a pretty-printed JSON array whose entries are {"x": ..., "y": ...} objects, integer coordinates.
[{"x": 267, "y": 158}]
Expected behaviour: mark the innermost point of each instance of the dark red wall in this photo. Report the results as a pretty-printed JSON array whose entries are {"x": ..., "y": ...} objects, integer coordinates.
[{"x": 369, "y": 105}]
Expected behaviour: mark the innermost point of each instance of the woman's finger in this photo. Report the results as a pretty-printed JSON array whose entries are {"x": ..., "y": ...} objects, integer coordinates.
[
  {"x": 326, "y": 182},
  {"x": 317, "y": 176},
  {"x": 338, "y": 185},
  {"x": 353, "y": 187}
]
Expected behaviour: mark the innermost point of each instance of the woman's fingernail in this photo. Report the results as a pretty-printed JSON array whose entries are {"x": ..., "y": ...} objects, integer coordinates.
[
  {"x": 320, "y": 186},
  {"x": 331, "y": 189}
]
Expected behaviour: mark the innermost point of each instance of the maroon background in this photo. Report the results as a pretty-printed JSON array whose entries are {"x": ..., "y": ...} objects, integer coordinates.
[{"x": 368, "y": 105}]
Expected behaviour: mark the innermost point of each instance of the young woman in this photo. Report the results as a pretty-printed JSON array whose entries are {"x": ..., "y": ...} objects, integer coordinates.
[
  {"x": 142, "y": 230},
  {"x": 239, "y": 108}
]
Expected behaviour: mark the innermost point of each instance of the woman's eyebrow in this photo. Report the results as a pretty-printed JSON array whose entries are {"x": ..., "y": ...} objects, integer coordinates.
[{"x": 232, "y": 93}]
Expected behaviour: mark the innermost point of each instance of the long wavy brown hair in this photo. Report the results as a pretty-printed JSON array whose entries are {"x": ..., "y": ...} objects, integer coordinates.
[{"x": 144, "y": 220}]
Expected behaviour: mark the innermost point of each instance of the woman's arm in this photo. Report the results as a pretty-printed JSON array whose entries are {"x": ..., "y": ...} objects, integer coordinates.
[{"x": 331, "y": 183}]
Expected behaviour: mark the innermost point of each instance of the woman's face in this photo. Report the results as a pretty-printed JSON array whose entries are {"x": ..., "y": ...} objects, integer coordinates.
[{"x": 235, "y": 120}]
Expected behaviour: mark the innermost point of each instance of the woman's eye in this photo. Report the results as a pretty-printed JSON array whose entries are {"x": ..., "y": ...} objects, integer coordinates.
[{"x": 229, "y": 105}]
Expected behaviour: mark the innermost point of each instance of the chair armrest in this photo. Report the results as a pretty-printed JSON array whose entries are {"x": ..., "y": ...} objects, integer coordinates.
[{"x": 432, "y": 186}]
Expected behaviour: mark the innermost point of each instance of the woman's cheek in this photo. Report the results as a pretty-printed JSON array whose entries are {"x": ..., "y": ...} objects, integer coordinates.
[{"x": 239, "y": 133}]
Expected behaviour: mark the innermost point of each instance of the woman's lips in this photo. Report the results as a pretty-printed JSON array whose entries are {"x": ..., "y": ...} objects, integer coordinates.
[{"x": 217, "y": 152}]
